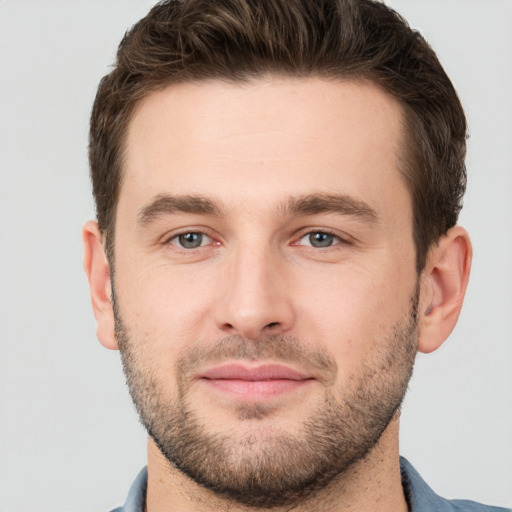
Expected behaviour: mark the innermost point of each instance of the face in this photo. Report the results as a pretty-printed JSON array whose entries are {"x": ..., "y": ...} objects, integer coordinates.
[{"x": 265, "y": 283}]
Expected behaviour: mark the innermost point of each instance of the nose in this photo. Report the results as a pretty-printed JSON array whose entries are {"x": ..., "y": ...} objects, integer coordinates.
[{"x": 253, "y": 298}]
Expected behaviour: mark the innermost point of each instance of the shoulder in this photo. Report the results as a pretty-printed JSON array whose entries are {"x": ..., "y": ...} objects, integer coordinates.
[
  {"x": 472, "y": 506},
  {"x": 422, "y": 498}
]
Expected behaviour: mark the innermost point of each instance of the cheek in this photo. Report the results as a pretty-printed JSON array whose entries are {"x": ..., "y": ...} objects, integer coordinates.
[
  {"x": 356, "y": 311},
  {"x": 341, "y": 308},
  {"x": 162, "y": 307}
]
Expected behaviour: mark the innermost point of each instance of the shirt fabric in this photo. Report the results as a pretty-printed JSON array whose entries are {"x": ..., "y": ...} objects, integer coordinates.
[{"x": 420, "y": 497}]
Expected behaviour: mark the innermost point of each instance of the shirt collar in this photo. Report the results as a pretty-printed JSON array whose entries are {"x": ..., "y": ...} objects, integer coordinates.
[{"x": 420, "y": 497}]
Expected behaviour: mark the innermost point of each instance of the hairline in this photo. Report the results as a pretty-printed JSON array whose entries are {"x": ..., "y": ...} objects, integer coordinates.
[{"x": 406, "y": 147}]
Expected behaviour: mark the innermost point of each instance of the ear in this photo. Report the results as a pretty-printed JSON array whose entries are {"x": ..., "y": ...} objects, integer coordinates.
[
  {"x": 98, "y": 273},
  {"x": 443, "y": 286}
]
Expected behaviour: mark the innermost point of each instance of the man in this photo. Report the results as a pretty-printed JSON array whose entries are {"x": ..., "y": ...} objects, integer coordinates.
[{"x": 277, "y": 188}]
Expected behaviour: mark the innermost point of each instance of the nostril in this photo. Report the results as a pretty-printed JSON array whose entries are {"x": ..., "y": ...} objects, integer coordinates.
[{"x": 272, "y": 324}]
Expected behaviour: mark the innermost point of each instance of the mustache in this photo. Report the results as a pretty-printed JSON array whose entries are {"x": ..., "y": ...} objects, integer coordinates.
[{"x": 277, "y": 348}]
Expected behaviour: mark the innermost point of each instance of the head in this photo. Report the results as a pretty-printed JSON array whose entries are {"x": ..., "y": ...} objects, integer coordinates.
[
  {"x": 277, "y": 187},
  {"x": 239, "y": 40}
]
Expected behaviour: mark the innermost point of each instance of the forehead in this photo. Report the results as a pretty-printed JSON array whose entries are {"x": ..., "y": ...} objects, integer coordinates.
[{"x": 262, "y": 138}]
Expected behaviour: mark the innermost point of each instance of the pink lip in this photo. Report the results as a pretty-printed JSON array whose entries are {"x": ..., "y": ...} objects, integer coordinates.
[
  {"x": 256, "y": 373},
  {"x": 254, "y": 383}
]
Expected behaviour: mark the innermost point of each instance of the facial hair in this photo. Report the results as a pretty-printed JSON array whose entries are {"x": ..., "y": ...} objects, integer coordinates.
[{"x": 267, "y": 467}]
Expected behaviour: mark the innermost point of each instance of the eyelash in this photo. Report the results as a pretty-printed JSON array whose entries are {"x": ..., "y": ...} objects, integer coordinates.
[
  {"x": 174, "y": 240},
  {"x": 338, "y": 240}
]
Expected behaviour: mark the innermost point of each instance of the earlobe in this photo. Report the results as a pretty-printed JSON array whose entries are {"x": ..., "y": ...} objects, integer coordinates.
[
  {"x": 98, "y": 274},
  {"x": 443, "y": 286}
]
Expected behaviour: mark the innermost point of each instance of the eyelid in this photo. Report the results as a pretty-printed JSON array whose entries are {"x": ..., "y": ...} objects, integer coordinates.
[
  {"x": 205, "y": 241},
  {"x": 341, "y": 237},
  {"x": 171, "y": 237}
]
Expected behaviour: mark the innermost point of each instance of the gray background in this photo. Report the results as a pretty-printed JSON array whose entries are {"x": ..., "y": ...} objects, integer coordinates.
[{"x": 69, "y": 438}]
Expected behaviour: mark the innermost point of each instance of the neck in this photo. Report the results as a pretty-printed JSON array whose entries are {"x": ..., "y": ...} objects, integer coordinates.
[{"x": 374, "y": 482}]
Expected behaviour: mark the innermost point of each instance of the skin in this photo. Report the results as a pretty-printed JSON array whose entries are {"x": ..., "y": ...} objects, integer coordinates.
[{"x": 251, "y": 148}]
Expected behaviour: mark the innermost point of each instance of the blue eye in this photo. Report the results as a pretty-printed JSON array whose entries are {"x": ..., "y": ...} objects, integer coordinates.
[
  {"x": 192, "y": 240},
  {"x": 319, "y": 239}
]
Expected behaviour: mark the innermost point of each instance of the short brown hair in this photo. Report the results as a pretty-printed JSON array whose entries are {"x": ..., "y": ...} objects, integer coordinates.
[{"x": 237, "y": 40}]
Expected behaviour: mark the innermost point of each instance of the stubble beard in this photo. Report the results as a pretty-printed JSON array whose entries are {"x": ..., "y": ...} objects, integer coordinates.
[{"x": 267, "y": 467}]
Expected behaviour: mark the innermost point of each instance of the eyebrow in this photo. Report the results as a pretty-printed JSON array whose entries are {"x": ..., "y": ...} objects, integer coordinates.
[
  {"x": 331, "y": 203},
  {"x": 165, "y": 204},
  {"x": 312, "y": 204}
]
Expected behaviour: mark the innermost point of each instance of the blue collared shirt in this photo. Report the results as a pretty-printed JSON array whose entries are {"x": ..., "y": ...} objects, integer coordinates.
[{"x": 420, "y": 497}]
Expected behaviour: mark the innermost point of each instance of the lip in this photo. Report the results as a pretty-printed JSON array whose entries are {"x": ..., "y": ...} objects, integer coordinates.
[
  {"x": 254, "y": 382},
  {"x": 253, "y": 373}
]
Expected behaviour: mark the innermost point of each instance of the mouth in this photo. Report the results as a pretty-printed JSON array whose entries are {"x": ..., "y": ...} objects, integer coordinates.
[{"x": 258, "y": 383}]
